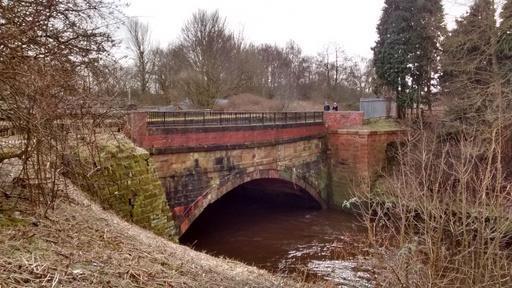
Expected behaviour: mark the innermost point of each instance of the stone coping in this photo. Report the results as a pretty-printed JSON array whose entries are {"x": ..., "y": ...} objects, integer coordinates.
[{"x": 367, "y": 131}]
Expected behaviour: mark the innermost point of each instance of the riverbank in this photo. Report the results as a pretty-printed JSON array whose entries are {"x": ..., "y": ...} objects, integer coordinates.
[
  {"x": 79, "y": 244},
  {"x": 284, "y": 234}
]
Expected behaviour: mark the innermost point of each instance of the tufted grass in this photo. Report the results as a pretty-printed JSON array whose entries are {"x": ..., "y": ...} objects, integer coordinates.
[{"x": 78, "y": 244}]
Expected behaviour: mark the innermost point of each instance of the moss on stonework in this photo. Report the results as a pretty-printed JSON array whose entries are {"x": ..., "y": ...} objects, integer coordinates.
[
  {"x": 121, "y": 177},
  {"x": 340, "y": 191},
  {"x": 315, "y": 173},
  {"x": 323, "y": 182}
]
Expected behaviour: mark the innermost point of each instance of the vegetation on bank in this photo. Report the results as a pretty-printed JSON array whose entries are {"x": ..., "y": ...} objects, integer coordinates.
[
  {"x": 79, "y": 244},
  {"x": 441, "y": 209},
  {"x": 442, "y": 213}
]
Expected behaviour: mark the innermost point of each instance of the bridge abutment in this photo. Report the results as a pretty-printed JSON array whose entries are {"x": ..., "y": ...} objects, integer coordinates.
[
  {"x": 122, "y": 178},
  {"x": 356, "y": 152}
]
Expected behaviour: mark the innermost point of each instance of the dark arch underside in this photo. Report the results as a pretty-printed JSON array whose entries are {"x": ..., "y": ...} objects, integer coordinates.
[
  {"x": 278, "y": 191},
  {"x": 266, "y": 193}
]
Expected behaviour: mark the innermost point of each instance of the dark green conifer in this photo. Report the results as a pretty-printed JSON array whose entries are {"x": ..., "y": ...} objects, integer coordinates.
[
  {"x": 429, "y": 30},
  {"x": 468, "y": 72},
  {"x": 391, "y": 51},
  {"x": 504, "y": 52},
  {"x": 406, "y": 54}
]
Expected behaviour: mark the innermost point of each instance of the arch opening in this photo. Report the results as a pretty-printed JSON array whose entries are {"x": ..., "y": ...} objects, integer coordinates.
[{"x": 249, "y": 204}]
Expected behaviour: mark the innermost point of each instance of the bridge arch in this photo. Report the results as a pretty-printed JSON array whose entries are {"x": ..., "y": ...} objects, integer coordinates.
[{"x": 234, "y": 181}]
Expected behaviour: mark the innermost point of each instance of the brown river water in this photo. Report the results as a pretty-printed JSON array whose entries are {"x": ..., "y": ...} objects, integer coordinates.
[{"x": 284, "y": 233}]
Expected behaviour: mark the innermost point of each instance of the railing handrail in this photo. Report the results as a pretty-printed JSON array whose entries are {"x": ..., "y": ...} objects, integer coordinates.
[
  {"x": 217, "y": 111},
  {"x": 208, "y": 118}
]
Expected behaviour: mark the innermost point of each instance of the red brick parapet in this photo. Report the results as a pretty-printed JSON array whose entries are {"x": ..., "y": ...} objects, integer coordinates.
[
  {"x": 136, "y": 127},
  {"x": 344, "y": 119},
  {"x": 187, "y": 139},
  {"x": 357, "y": 154},
  {"x": 204, "y": 138},
  {"x": 160, "y": 139}
]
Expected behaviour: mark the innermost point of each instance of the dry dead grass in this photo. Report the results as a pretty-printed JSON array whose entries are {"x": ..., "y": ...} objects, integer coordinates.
[
  {"x": 80, "y": 245},
  {"x": 253, "y": 103},
  {"x": 442, "y": 213}
]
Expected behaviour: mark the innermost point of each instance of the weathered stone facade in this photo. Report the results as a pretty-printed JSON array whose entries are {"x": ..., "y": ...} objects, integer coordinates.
[
  {"x": 194, "y": 180},
  {"x": 122, "y": 178}
]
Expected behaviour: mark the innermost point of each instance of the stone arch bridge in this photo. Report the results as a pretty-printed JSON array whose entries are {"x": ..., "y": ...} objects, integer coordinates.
[{"x": 202, "y": 155}]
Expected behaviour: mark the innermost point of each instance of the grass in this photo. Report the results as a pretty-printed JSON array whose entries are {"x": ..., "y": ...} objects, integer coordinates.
[
  {"x": 80, "y": 245},
  {"x": 7, "y": 221},
  {"x": 382, "y": 125}
]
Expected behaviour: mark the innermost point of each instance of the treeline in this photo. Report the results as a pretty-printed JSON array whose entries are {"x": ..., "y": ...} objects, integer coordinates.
[
  {"x": 210, "y": 62},
  {"x": 416, "y": 57}
]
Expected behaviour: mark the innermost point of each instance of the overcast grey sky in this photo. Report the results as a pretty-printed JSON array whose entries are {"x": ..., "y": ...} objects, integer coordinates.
[{"x": 312, "y": 24}]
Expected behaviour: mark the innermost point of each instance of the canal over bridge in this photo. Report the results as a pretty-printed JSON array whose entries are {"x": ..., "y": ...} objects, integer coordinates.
[{"x": 202, "y": 155}]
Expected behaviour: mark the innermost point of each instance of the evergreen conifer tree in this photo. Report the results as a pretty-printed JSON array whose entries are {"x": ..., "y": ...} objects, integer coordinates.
[
  {"x": 468, "y": 69},
  {"x": 504, "y": 52},
  {"x": 407, "y": 51},
  {"x": 428, "y": 31},
  {"x": 391, "y": 51}
]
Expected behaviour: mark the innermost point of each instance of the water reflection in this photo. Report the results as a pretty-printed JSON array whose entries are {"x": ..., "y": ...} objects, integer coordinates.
[{"x": 283, "y": 233}]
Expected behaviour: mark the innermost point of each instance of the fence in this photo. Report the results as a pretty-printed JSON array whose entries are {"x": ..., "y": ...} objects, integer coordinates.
[
  {"x": 375, "y": 107},
  {"x": 214, "y": 118}
]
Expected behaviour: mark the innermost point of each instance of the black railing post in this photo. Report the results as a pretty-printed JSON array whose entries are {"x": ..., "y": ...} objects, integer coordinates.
[{"x": 165, "y": 123}]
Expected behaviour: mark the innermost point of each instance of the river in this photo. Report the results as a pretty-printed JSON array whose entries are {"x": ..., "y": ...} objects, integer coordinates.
[{"x": 285, "y": 235}]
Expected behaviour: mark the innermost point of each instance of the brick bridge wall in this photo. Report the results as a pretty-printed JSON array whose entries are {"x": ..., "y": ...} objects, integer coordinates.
[
  {"x": 197, "y": 165},
  {"x": 354, "y": 155}
]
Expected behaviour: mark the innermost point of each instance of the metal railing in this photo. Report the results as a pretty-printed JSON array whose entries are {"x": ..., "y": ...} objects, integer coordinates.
[{"x": 215, "y": 119}]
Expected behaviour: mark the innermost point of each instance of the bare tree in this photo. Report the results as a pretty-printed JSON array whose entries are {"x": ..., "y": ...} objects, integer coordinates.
[
  {"x": 164, "y": 70},
  {"x": 140, "y": 45},
  {"x": 214, "y": 56},
  {"x": 54, "y": 76}
]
